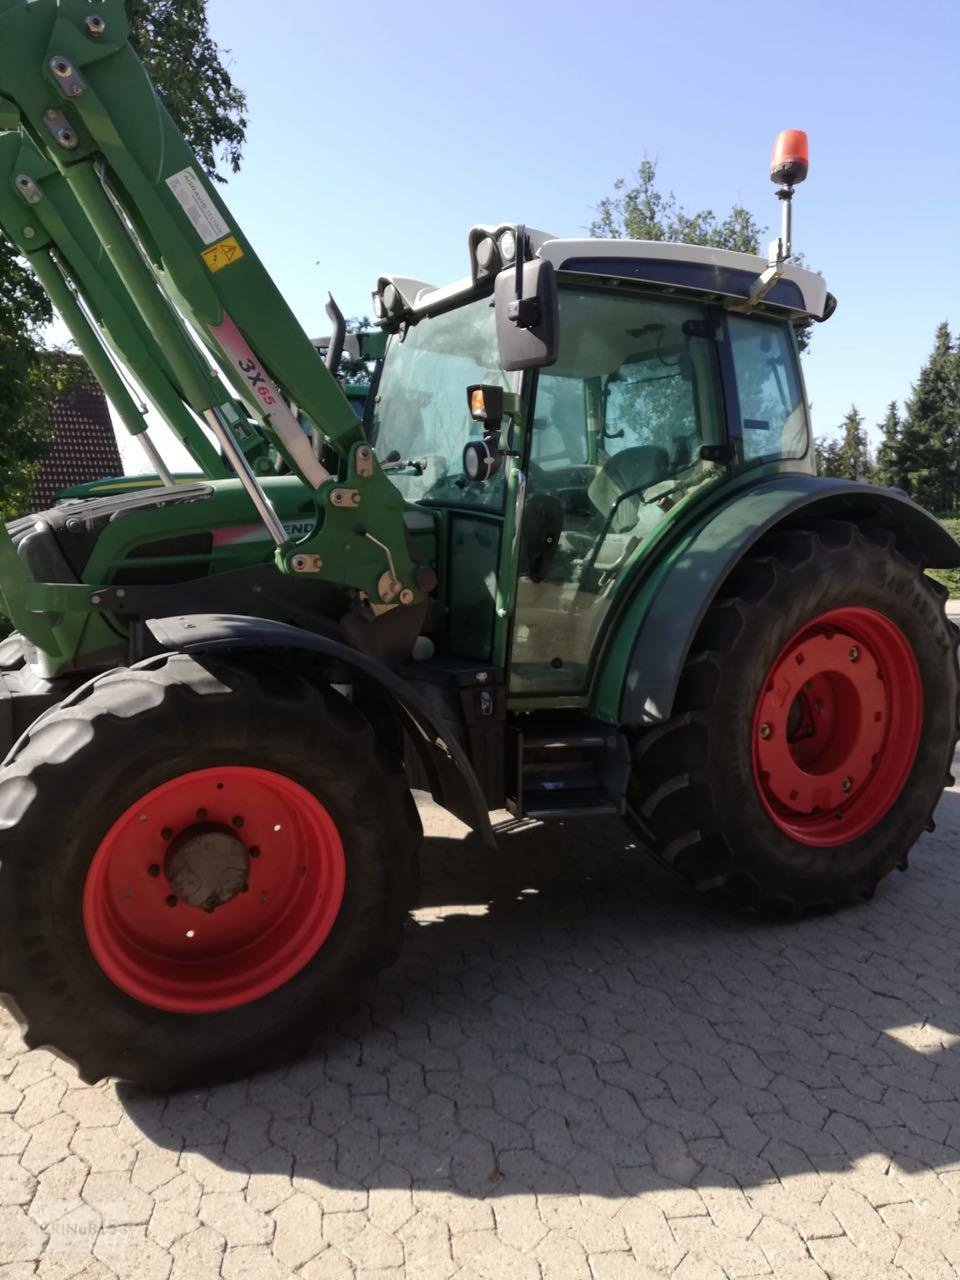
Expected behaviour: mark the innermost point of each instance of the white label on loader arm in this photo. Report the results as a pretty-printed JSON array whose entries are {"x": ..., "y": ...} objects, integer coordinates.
[{"x": 196, "y": 204}]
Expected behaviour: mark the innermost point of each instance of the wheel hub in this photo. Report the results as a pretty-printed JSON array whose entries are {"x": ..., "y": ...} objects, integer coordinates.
[
  {"x": 213, "y": 889},
  {"x": 836, "y": 726},
  {"x": 207, "y": 865}
]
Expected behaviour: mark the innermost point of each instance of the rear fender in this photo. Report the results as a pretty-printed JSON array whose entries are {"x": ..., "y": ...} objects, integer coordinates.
[
  {"x": 685, "y": 593},
  {"x": 453, "y": 783}
]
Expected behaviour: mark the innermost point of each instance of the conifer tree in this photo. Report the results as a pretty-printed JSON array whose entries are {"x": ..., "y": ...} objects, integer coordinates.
[
  {"x": 890, "y": 470},
  {"x": 853, "y": 460},
  {"x": 930, "y": 435}
]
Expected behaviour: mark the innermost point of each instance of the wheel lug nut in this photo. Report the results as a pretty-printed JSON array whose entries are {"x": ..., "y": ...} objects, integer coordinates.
[
  {"x": 201, "y": 814},
  {"x": 166, "y": 833},
  {"x": 854, "y": 653},
  {"x": 846, "y": 784},
  {"x": 254, "y": 851},
  {"x": 153, "y": 870},
  {"x": 238, "y": 821},
  {"x": 172, "y": 900},
  {"x": 765, "y": 731}
]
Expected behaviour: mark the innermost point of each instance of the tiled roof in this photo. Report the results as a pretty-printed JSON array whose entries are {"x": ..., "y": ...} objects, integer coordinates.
[{"x": 84, "y": 448}]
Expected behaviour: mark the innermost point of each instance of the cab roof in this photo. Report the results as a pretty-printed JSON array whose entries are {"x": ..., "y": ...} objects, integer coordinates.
[
  {"x": 721, "y": 273},
  {"x": 723, "y": 276}
]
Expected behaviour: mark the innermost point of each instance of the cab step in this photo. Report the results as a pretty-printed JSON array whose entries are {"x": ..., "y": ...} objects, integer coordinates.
[{"x": 566, "y": 770}]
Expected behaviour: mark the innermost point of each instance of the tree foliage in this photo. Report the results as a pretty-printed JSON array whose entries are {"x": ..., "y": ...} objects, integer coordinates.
[
  {"x": 927, "y": 444},
  {"x": 185, "y": 64},
  {"x": 27, "y": 388},
  {"x": 889, "y": 469},
  {"x": 639, "y": 210},
  {"x": 173, "y": 40},
  {"x": 846, "y": 456}
]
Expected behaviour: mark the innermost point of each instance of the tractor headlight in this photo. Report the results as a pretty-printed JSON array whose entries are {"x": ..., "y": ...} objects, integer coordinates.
[
  {"x": 488, "y": 256},
  {"x": 508, "y": 246}
]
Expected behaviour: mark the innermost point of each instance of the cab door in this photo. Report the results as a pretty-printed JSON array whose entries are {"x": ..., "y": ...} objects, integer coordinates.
[{"x": 614, "y": 447}]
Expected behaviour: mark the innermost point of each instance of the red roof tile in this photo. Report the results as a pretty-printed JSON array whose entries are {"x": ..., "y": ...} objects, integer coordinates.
[{"x": 84, "y": 448}]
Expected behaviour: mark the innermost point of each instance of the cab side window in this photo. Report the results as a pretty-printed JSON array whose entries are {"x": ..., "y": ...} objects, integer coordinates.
[{"x": 772, "y": 413}]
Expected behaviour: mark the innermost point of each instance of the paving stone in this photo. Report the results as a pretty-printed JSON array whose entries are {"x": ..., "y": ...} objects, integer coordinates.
[
  {"x": 102, "y": 1150},
  {"x": 17, "y": 1185},
  {"x": 175, "y": 1210},
  {"x": 197, "y": 1255},
  {"x": 299, "y": 1231},
  {"x": 21, "y": 1239},
  {"x": 238, "y": 1222},
  {"x": 861, "y": 1222},
  {"x": 49, "y": 1142},
  {"x": 619, "y": 1266},
  {"x": 562, "y": 1257},
  {"x": 252, "y": 1262}
]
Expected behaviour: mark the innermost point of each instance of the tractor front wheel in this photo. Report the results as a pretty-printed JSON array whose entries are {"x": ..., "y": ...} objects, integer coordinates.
[
  {"x": 200, "y": 865},
  {"x": 815, "y": 724}
]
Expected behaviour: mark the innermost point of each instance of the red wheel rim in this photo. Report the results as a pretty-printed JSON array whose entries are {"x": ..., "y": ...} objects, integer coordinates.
[
  {"x": 168, "y": 953},
  {"x": 837, "y": 726}
]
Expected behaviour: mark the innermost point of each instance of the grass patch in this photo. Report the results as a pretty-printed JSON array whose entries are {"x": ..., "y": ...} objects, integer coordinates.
[{"x": 949, "y": 577}]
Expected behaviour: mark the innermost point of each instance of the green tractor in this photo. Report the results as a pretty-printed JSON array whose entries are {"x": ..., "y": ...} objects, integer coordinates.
[{"x": 628, "y": 593}]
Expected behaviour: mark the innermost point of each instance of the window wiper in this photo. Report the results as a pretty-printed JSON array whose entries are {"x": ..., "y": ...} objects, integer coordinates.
[{"x": 393, "y": 462}]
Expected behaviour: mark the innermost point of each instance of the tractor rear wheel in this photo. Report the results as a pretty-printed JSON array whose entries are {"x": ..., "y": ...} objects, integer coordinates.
[
  {"x": 814, "y": 728},
  {"x": 200, "y": 866}
]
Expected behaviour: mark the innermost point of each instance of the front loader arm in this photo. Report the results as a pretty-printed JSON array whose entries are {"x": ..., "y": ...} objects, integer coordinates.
[
  {"x": 182, "y": 284},
  {"x": 41, "y": 217}
]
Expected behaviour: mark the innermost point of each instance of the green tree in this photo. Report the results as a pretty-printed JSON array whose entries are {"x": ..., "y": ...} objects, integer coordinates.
[
  {"x": 890, "y": 470},
  {"x": 185, "y": 64},
  {"x": 846, "y": 456},
  {"x": 641, "y": 211},
  {"x": 827, "y": 452},
  {"x": 172, "y": 37},
  {"x": 854, "y": 459},
  {"x": 930, "y": 434},
  {"x": 27, "y": 386}
]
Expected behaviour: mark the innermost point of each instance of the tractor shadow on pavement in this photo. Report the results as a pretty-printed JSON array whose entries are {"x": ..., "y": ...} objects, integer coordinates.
[{"x": 567, "y": 1020}]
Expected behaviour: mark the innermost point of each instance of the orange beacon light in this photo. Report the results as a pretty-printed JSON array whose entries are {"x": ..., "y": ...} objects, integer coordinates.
[{"x": 791, "y": 157}]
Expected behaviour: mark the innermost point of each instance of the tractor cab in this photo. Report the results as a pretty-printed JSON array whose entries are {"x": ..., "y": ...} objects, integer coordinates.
[{"x": 662, "y": 387}]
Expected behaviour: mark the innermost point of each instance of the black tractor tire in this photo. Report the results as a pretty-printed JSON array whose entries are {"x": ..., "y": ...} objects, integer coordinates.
[
  {"x": 694, "y": 795},
  {"x": 84, "y": 764}
]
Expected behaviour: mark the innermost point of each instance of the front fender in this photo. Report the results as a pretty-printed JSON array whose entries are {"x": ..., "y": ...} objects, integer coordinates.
[
  {"x": 684, "y": 595},
  {"x": 454, "y": 785}
]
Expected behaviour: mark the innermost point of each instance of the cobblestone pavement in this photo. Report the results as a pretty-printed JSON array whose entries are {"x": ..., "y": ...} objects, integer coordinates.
[{"x": 576, "y": 1071}]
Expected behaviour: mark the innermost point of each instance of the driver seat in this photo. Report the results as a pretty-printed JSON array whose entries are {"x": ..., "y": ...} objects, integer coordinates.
[{"x": 631, "y": 469}]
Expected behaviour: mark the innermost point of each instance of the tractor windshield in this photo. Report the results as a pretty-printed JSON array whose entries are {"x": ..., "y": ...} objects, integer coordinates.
[{"x": 420, "y": 411}]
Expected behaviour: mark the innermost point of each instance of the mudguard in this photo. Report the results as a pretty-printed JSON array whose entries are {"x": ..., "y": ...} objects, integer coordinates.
[
  {"x": 685, "y": 594},
  {"x": 453, "y": 783}
]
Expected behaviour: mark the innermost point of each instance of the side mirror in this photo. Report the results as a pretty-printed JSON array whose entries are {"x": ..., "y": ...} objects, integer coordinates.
[{"x": 527, "y": 313}]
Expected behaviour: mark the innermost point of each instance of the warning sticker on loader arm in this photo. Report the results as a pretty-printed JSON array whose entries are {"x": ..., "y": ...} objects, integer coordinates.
[
  {"x": 223, "y": 254},
  {"x": 194, "y": 200}
]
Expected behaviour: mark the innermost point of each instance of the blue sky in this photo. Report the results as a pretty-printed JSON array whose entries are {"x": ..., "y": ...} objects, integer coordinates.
[{"x": 379, "y": 133}]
